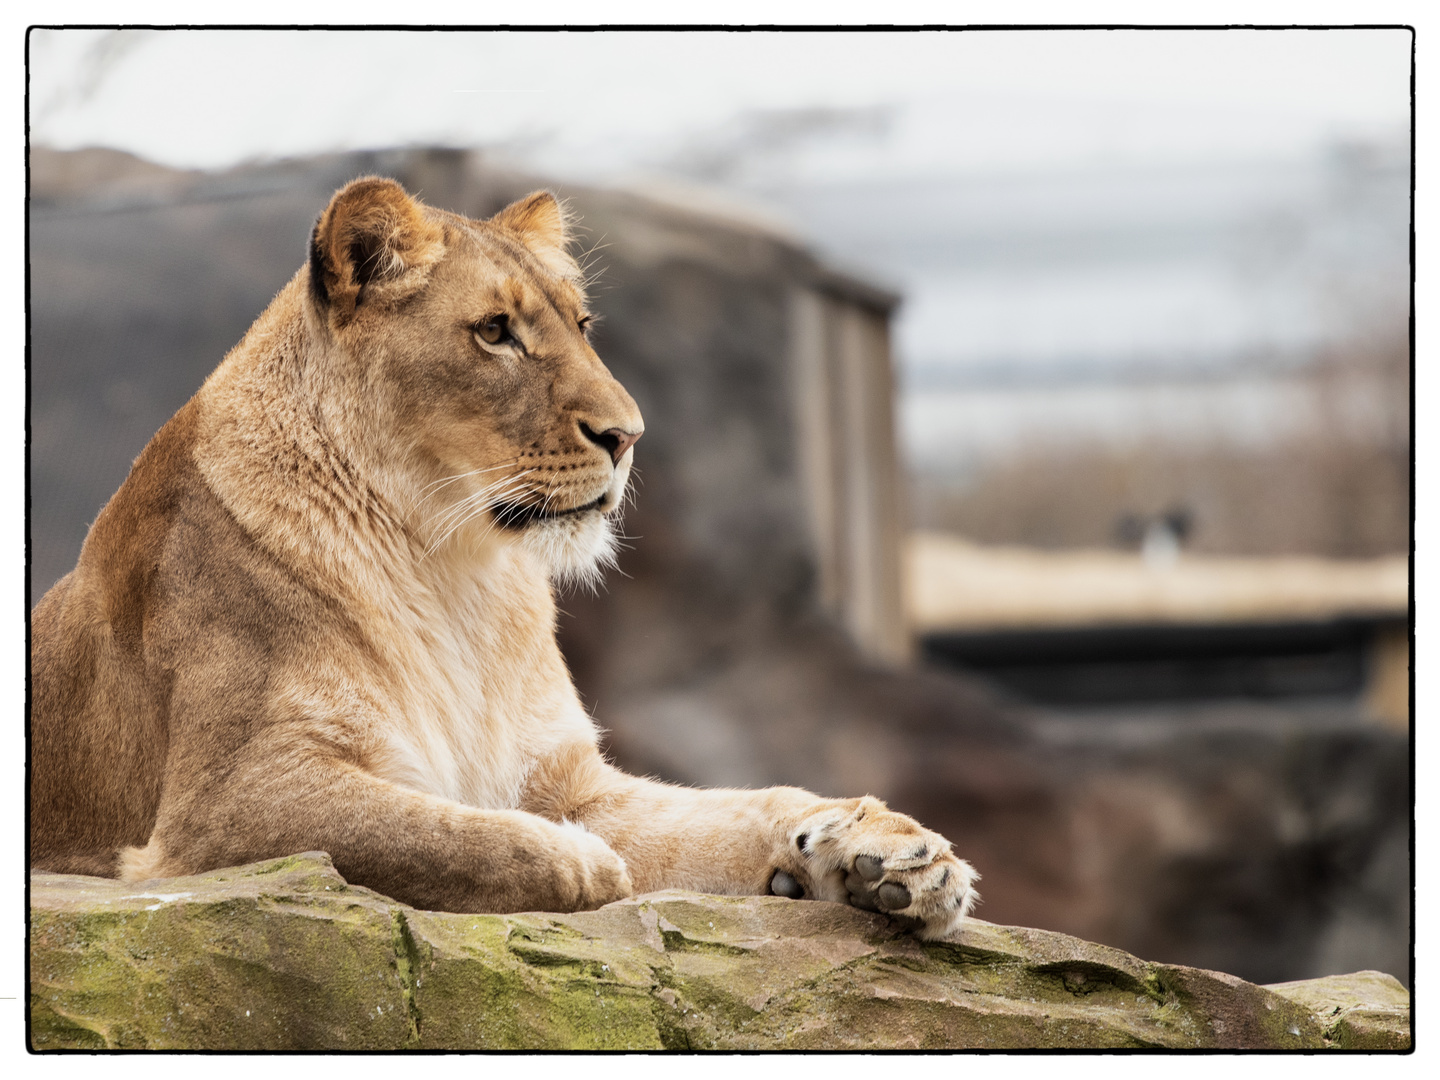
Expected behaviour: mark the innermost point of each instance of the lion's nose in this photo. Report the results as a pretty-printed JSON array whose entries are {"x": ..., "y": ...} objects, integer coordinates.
[{"x": 615, "y": 440}]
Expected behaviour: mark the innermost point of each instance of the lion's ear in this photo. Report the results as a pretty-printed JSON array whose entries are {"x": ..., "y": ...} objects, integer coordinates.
[
  {"x": 540, "y": 223},
  {"x": 371, "y": 244}
]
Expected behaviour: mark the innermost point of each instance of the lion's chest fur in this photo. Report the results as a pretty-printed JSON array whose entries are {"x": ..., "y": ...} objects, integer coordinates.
[
  {"x": 474, "y": 688},
  {"x": 455, "y": 686}
]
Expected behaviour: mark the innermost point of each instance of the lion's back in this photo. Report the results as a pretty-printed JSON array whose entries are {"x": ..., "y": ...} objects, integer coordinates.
[{"x": 98, "y": 737}]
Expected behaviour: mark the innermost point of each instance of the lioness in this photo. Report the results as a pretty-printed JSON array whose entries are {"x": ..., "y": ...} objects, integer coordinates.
[{"x": 318, "y": 614}]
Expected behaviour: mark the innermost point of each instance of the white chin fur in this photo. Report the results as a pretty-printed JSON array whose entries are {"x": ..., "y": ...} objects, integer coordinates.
[
  {"x": 577, "y": 550},
  {"x": 574, "y": 550}
]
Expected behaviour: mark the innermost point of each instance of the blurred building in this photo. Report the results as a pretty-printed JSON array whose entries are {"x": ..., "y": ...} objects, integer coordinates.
[
  {"x": 1155, "y": 417},
  {"x": 757, "y": 632},
  {"x": 1116, "y": 302}
]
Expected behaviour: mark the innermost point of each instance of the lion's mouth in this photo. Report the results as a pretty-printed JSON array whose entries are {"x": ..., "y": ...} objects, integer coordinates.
[{"x": 518, "y": 516}]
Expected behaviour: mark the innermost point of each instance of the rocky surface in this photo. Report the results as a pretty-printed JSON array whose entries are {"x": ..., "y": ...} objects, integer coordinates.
[
  {"x": 1368, "y": 1010},
  {"x": 286, "y": 955}
]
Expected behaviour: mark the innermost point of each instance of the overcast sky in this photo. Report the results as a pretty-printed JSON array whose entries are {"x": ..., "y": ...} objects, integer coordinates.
[
  {"x": 597, "y": 105},
  {"x": 788, "y": 114}
]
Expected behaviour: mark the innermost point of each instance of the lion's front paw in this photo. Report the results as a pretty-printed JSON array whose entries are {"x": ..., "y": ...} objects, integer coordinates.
[
  {"x": 593, "y": 874},
  {"x": 876, "y": 859}
]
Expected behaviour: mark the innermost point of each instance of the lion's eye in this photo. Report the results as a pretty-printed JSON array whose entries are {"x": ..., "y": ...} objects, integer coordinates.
[{"x": 495, "y": 330}]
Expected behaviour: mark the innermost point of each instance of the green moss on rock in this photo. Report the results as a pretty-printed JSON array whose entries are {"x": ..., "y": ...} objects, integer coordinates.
[
  {"x": 286, "y": 955},
  {"x": 1366, "y": 1010}
]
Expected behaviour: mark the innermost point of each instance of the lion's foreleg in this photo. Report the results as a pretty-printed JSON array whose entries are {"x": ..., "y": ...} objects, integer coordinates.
[
  {"x": 778, "y": 840},
  {"x": 426, "y": 851}
]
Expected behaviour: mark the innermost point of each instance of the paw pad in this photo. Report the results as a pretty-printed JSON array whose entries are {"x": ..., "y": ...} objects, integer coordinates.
[
  {"x": 782, "y": 884},
  {"x": 893, "y": 897},
  {"x": 869, "y": 867}
]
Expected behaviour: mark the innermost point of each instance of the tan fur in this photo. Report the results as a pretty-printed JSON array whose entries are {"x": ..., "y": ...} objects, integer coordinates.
[{"x": 318, "y": 614}]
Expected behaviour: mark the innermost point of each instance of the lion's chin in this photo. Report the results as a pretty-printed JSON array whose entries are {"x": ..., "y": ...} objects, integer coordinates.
[
  {"x": 575, "y": 549},
  {"x": 576, "y": 545}
]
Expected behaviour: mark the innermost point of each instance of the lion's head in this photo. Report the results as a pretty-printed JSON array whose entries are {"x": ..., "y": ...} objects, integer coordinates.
[{"x": 466, "y": 368}]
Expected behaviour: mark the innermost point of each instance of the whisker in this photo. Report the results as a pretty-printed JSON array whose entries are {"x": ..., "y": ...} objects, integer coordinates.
[
  {"x": 446, "y": 480},
  {"x": 456, "y": 516},
  {"x": 443, "y": 518},
  {"x": 444, "y": 512}
]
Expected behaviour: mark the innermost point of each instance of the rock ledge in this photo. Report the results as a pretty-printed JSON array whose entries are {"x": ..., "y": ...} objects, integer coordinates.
[{"x": 285, "y": 955}]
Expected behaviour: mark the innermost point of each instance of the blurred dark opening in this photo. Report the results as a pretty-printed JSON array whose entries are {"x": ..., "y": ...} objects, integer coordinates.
[{"x": 1096, "y": 665}]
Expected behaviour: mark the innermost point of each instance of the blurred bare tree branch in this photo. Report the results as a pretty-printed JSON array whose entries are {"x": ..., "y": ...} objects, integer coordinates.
[{"x": 1338, "y": 487}]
